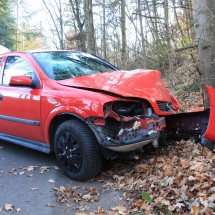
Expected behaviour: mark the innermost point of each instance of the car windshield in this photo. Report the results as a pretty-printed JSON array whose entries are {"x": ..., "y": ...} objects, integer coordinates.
[{"x": 63, "y": 65}]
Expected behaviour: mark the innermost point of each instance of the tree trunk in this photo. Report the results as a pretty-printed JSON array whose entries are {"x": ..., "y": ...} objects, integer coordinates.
[
  {"x": 155, "y": 21},
  {"x": 75, "y": 5},
  {"x": 169, "y": 48},
  {"x": 205, "y": 31},
  {"x": 104, "y": 32},
  {"x": 123, "y": 32},
  {"x": 90, "y": 35},
  {"x": 142, "y": 36},
  {"x": 17, "y": 24},
  {"x": 61, "y": 25},
  {"x": 176, "y": 18},
  {"x": 191, "y": 20}
]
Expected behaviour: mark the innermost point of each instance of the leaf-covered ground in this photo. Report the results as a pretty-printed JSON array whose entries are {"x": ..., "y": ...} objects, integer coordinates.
[{"x": 178, "y": 179}]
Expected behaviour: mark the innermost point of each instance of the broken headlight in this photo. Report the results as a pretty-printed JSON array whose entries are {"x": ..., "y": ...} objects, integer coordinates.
[{"x": 128, "y": 108}]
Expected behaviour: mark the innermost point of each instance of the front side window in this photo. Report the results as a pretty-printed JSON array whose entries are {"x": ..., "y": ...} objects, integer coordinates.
[
  {"x": 16, "y": 65},
  {"x": 64, "y": 65}
]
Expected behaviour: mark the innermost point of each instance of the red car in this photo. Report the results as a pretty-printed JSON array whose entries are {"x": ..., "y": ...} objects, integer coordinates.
[{"x": 80, "y": 107}]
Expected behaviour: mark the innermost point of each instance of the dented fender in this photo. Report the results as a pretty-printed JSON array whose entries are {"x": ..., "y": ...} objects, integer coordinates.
[{"x": 61, "y": 110}]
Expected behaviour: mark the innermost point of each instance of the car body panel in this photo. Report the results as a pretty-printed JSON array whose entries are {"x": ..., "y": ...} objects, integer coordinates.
[
  {"x": 145, "y": 84},
  {"x": 20, "y": 112},
  {"x": 210, "y": 132},
  {"x": 57, "y": 100}
]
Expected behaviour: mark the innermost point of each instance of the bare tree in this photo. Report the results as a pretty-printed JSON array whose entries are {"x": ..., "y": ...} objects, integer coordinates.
[
  {"x": 89, "y": 25},
  {"x": 79, "y": 22},
  {"x": 55, "y": 9},
  {"x": 104, "y": 31},
  {"x": 169, "y": 48},
  {"x": 123, "y": 32},
  {"x": 142, "y": 35},
  {"x": 205, "y": 32}
]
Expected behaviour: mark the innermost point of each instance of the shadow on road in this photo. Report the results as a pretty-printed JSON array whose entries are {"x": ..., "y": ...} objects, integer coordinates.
[{"x": 32, "y": 192}]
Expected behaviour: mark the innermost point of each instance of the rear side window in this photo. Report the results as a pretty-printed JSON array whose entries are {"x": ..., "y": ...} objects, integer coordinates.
[{"x": 16, "y": 65}]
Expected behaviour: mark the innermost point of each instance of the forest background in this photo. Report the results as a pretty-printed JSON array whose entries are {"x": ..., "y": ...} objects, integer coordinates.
[
  {"x": 175, "y": 37},
  {"x": 172, "y": 36}
]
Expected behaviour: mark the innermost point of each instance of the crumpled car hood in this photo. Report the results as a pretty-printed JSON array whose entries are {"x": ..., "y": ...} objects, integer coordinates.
[{"x": 146, "y": 84}]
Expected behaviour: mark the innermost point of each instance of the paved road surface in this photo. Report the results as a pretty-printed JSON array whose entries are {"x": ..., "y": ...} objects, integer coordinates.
[{"x": 16, "y": 187}]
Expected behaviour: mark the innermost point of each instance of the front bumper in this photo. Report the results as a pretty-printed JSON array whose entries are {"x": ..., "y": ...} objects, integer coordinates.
[{"x": 131, "y": 142}]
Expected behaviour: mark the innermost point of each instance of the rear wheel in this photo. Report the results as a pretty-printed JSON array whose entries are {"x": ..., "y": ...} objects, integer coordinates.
[{"x": 77, "y": 150}]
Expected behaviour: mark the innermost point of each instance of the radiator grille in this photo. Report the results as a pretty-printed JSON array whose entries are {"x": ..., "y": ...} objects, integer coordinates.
[{"x": 165, "y": 106}]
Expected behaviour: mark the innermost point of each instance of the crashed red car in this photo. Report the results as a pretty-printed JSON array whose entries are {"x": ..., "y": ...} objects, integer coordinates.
[{"x": 80, "y": 107}]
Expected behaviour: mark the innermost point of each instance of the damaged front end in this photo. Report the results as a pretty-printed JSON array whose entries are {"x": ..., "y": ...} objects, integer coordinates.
[{"x": 128, "y": 126}]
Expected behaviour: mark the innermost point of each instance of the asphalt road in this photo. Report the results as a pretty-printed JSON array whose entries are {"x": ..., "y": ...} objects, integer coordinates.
[{"x": 31, "y": 191}]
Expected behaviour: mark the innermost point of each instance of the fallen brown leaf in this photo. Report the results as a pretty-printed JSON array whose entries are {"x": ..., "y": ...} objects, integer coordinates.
[
  {"x": 51, "y": 205},
  {"x": 8, "y": 207},
  {"x": 138, "y": 203},
  {"x": 56, "y": 167},
  {"x": 11, "y": 170},
  {"x": 34, "y": 188},
  {"x": 51, "y": 181},
  {"x": 185, "y": 163},
  {"x": 190, "y": 195},
  {"x": 142, "y": 168},
  {"x": 18, "y": 210},
  {"x": 21, "y": 173},
  {"x": 31, "y": 168},
  {"x": 94, "y": 191}
]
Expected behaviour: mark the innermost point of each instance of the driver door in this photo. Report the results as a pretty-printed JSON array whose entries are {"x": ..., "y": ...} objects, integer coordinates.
[{"x": 20, "y": 105}]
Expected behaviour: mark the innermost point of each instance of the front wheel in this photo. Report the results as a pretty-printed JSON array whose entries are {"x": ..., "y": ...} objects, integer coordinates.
[{"x": 77, "y": 150}]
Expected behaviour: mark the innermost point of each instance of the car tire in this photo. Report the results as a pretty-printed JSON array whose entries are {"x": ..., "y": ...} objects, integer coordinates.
[
  {"x": 207, "y": 143},
  {"x": 77, "y": 150}
]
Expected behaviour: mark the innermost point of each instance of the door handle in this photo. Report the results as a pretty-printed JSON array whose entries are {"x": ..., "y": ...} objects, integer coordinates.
[{"x": 1, "y": 97}]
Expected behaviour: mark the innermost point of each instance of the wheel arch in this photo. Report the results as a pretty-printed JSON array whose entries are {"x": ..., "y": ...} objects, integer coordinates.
[
  {"x": 62, "y": 114},
  {"x": 56, "y": 121}
]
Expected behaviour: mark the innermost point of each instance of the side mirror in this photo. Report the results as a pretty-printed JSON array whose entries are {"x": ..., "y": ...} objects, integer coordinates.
[{"x": 20, "y": 80}]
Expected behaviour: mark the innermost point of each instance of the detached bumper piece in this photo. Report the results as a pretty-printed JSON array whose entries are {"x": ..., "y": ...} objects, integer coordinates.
[
  {"x": 131, "y": 141},
  {"x": 187, "y": 125}
]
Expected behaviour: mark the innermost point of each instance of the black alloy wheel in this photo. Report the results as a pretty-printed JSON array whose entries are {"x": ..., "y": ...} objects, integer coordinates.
[
  {"x": 69, "y": 152},
  {"x": 77, "y": 150}
]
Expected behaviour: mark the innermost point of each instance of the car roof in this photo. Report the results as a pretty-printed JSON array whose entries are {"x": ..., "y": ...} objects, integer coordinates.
[
  {"x": 40, "y": 51},
  {"x": 51, "y": 50}
]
